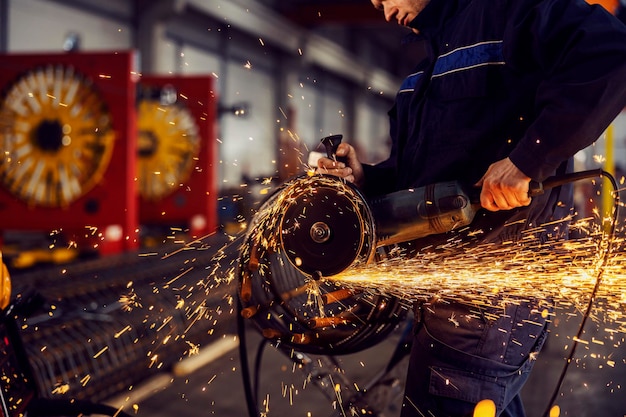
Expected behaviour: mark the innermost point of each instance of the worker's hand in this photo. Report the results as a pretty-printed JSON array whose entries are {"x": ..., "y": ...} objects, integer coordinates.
[
  {"x": 504, "y": 187},
  {"x": 352, "y": 171}
]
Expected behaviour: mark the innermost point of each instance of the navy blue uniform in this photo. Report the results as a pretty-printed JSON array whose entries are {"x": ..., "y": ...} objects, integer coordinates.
[{"x": 532, "y": 80}]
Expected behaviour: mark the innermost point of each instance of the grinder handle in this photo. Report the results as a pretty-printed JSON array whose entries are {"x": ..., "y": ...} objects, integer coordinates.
[
  {"x": 537, "y": 188},
  {"x": 332, "y": 143}
]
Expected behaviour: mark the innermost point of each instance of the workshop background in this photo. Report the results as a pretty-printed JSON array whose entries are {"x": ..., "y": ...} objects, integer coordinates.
[{"x": 120, "y": 223}]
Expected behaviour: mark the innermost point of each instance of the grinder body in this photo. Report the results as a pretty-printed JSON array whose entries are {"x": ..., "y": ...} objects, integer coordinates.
[{"x": 414, "y": 213}]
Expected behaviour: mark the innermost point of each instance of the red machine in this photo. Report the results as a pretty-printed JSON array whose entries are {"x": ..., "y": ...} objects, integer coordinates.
[
  {"x": 67, "y": 129},
  {"x": 176, "y": 153}
]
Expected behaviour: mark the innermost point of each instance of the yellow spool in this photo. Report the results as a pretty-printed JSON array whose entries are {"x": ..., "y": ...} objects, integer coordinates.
[
  {"x": 167, "y": 149},
  {"x": 57, "y": 137}
]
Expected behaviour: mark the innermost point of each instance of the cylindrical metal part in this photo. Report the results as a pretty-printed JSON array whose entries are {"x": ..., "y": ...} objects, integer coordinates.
[
  {"x": 321, "y": 322},
  {"x": 245, "y": 290},
  {"x": 248, "y": 312},
  {"x": 339, "y": 295}
]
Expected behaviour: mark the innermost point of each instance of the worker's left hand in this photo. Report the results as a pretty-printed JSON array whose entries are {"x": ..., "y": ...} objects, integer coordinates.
[
  {"x": 504, "y": 187},
  {"x": 351, "y": 171}
]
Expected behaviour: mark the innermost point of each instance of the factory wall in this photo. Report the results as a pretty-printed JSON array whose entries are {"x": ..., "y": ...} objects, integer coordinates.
[
  {"x": 290, "y": 101},
  {"x": 37, "y": 25},
  {"x": 317, "y": 103}
]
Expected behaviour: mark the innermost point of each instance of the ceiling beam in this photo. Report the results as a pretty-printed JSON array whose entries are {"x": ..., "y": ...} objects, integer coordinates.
[
  {"x": 121, "y": 10},
  {"x": 265, "y": 23},
  {"x": 312, "y": 14}
]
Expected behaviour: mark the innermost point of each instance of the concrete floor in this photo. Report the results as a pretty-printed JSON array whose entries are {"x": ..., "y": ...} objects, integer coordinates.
[
  {"x": 591, "y": 387},
  {"x": 594, "y": 385}
]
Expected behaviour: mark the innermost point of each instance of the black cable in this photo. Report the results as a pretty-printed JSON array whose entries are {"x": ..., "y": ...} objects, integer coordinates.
[
  {"x": 257, "y": 366},
  {"x": 245, "y": 366},
  {"x": 610, "y": 234}
]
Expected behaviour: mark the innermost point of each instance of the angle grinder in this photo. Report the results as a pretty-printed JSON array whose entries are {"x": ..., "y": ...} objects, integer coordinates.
[
  {"x": 336, "y": 227},
  {"x": 316, "y": 226}
]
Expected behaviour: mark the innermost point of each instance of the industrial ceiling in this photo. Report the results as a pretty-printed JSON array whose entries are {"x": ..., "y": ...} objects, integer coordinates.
[
  {"x": 357, "y": 17},
  {"x": 347, "y": 37}
]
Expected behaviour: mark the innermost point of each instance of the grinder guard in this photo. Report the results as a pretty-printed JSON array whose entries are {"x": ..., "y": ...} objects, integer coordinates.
[{"x": 311, "y": 227}]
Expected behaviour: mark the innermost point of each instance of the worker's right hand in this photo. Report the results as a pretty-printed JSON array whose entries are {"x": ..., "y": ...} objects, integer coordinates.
[
  {"x": 351, "y": 171},
  {"x": 504, "y": 187}
]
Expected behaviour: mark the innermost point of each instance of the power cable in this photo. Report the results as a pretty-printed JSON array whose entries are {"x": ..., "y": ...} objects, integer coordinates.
[
  {"x": 609, "y": 234},
  {"x": 245, "y": 365}
]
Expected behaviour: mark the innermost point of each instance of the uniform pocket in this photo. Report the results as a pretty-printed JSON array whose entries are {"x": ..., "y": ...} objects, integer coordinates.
[
  {"x": 472, "y": 84},
  {"x": 462, "y": 108},
  {"x": 466, "y": 386}
]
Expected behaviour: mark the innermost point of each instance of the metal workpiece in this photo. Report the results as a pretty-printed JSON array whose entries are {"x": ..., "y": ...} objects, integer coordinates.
[{"x": 313, "y": 227}]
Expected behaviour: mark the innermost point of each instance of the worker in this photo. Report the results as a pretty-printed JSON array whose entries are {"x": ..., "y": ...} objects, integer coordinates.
[
  {"x": 507, "y": 92},
  {"x": 620, "y": 11}
]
